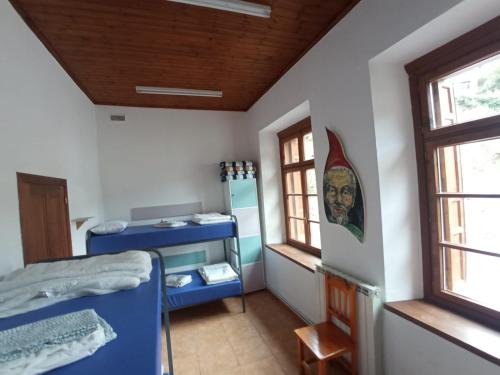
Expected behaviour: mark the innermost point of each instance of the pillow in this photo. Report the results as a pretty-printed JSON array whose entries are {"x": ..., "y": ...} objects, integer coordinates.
[{"x": 110, "y": 227}]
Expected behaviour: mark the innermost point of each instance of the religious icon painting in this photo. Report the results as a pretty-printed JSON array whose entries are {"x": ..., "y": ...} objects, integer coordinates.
[{"x": 343, "y": 196}]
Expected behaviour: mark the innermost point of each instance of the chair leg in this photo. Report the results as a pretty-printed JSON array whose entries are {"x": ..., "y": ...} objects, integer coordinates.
[
  {"x": 354, "y": 362},
  {"x": 300, "y": 348},
  {"x": 322, "y": 367}
]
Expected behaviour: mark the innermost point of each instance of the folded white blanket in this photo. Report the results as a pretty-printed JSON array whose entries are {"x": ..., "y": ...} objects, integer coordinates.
[
  {"x": 178, "y": 281},
  {"x": 38, "y": 347},
  {"x": 217, "y": 273},
  {"x": 211, "y": 218},
  {"x": 44, "y": 284}
]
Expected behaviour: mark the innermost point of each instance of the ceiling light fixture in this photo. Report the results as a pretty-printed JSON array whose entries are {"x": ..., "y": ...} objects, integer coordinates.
[
  {"x": 177, "y": 91},
  {"x": 237, "y": 6}
]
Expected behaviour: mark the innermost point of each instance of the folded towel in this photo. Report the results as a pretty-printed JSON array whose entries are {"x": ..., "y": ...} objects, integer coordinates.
[
  {"x": 43, "y": 284},
  {"x": 211, "y": 218},
  {"x": 224, "y": 173},
  {"x": 238, "y": 163},
  {"x": 178, "y": 281},
  {"x": 41, "y": 346},
  {"x": 218, "y": 273}
]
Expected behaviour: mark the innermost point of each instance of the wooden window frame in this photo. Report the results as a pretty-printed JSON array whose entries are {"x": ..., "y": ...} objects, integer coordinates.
[
  {"x": 298, "y": 130},
  {"x": 468, "y": 49}
]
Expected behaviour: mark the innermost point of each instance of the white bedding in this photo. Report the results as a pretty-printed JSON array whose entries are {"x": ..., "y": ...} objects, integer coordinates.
[
  {"x": 217, "y": 273},
  {"x": 211, "y": 218},
  {"x": 43, "y": 284},
  {"x": 44, "y": 345}
]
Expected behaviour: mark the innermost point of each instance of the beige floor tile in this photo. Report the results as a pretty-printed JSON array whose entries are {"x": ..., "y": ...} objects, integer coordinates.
[{"x": 217, "y": 338}]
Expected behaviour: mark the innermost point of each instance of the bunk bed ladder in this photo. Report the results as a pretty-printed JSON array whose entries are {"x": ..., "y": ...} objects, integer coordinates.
[
  {"x": 237, "y": 252},
  {"x": 166, "y": 316}
]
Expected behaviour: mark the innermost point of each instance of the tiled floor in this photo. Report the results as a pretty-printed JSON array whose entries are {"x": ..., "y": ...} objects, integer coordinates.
[{"x": 217, "y": 338}]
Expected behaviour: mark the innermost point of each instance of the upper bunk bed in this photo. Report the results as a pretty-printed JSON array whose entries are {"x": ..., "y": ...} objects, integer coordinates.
[
  {"x": 137, "y": 348},
  {"x": 151, "y": 237}
]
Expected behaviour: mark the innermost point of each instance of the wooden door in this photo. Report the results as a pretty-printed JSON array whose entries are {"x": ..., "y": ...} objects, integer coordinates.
[{"x": 43, "y": 209}]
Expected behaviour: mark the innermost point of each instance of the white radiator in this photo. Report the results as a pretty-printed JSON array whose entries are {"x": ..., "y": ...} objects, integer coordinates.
[{"x": 369, "y": 321}]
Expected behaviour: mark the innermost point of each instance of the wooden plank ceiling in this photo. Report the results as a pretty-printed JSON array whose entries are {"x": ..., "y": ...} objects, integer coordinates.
[{"x": 110, "y": 46}]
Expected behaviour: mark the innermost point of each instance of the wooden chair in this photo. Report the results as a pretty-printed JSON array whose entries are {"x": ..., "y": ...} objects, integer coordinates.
[{"x": 326, "y": 341}]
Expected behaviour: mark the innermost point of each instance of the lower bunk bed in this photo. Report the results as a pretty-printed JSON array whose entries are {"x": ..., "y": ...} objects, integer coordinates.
[
  {"x": 134, "y": 315},
  {"x": 151, "y": 237},
  {"x": 198, "y": 292}
]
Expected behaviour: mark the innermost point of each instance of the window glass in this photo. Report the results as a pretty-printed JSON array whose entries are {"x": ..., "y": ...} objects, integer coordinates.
[
  {"x": 291, "y": 151},
  {"x": 471, "y": 167},
  {"x": 297, "y": 230},
  {"x": 315, "y": 235},
  {"x": 295, "y": 206},
  {"x": 472, "y": 222},
  {"x": 470, "y": 94},
  {"x": 472, "y": 275},
  {"x": 308, "y": 146},
  {"x": 293, "y": 183},
  {"x": 311, "y": 181},
  {"x": 313, "y": 207}
]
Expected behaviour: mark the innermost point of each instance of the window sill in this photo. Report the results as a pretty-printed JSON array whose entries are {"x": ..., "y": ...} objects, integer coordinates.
[
  {"x": 472, "y": 336},
  {"x": 300, "y": 257}
]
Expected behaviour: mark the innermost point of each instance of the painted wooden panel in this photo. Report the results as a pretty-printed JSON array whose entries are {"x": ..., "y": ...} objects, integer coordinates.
[
  {"x": 185, "y": 259},
  {"x": 253, "y": 277},
  {"x": 248, "y": 221},
  {"x": 251, "y": 249},
  {"x": 243, "y": 193}
]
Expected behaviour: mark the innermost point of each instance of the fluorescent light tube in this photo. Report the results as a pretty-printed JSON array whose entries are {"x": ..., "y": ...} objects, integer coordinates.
[
  {"x": 176, "y": 91},
  {"x": 237, "y": 6}
]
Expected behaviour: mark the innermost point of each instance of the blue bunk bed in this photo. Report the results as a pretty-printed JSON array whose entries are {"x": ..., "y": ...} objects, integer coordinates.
[
  {"x": 150, "y": 237},
  {"x": 137, "y": 348}
]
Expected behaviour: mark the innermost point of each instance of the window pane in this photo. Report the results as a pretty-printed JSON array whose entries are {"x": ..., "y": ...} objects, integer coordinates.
[
  {"x": 297, "y": 230},
  {"x": 470, "y": 94},
  {"x": 295, "y": 206},
  {"x": 475, "y": 276},
  {"x": 315, "y": 236},
  {"x": 291, "y": 151},
  {"x": 313, "y": 207},
  {"x": 311, "y": 181},
  {"x": 293, "y": 185},
  {"x": 308, "y": 146},
  {"x": 472, "y": 222},
  {"x": 470, "y": 167}
]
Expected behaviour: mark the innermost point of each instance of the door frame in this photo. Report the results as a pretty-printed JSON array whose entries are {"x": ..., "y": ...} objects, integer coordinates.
[{"x": 23, "y": 178}]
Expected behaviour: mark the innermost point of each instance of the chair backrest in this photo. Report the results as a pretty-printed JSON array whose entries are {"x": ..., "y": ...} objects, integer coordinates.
[{"x": 341, "y": 303}]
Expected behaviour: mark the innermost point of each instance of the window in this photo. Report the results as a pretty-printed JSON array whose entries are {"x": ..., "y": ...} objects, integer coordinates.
[
  {"x": 300, "y": 193},
  {"x": 456, "y": 110}
]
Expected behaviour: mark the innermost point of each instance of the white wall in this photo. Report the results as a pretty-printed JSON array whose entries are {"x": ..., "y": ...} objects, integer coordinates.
[
  {"x": 298, "y": 287},
  {"x": 161, "y": 157},
  {"x": 47, "y": 127},
  {"x": 335, "y": 78},
  {"x": 412, "y": 350},
  {"x": 395, "y": 142}
]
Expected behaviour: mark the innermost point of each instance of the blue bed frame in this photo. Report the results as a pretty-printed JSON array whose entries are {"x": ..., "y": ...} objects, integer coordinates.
[
  {"x": 138, "y": 329},
  {"x": 149, "y": 237}
]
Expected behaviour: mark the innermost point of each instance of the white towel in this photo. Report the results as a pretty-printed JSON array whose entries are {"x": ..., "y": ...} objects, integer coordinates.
[
  {"x": 178, "y": 281},
  {"x": 217, "y": 273},
  {"x": 211, "y": 218},
  {"x": 44, "y": 284}
]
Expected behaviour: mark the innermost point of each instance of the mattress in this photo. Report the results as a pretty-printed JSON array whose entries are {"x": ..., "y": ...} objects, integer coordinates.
[
  {"x": 135, "y": 317},
  {"x": 148, "y": 236},
  {"x": 199, "y": 292}
]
